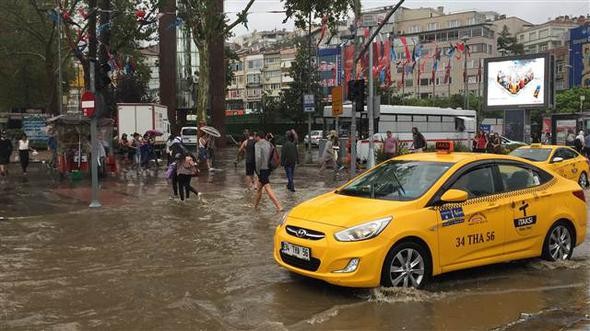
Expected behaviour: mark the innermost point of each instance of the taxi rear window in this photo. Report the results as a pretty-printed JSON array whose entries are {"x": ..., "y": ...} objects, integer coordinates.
[
  {"x": 532, "y": 154},
  {"x": 189, "y": 132},
  {"x": 397, "y": 180}
]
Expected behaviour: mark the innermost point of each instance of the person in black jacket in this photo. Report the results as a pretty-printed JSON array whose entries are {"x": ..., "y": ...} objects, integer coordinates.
[
  {"x": 419, "y": 143},
  {"x": 5, "y": 151},
  {"x": 289, "y": 159}
]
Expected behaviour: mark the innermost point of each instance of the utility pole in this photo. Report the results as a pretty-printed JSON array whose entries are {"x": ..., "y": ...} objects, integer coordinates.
[
  {"x": 371, "y": 157},
  {"x": 94, "y": 203},
  {"x": 357, "y": 16},
  {"x": 59, "y": 73},
  {"x": 309, "y": 117},
  {"x": 465, "y": 78}
]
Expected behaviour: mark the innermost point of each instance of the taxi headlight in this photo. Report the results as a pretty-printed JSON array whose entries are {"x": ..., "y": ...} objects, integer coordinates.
[{"x": 364, "y": 231}]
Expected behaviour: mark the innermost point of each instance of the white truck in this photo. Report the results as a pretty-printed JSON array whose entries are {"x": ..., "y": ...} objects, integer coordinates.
[{"x": 142, "y": 117}]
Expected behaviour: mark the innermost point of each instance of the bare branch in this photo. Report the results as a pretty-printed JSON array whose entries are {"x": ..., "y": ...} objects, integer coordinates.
[{"x": 242, "y": 16}]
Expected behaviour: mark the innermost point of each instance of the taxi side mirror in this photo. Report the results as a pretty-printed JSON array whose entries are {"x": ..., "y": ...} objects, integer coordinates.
[
  {"x": 454, "y": 195},
  {"x": 556, "y": 159}
]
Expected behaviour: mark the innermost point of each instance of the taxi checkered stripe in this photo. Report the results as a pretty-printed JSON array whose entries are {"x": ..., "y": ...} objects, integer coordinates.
[{"x": 496, "y": 196}]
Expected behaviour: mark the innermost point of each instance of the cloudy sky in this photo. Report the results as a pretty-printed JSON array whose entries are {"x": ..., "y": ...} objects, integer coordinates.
[{"x": 534, "y": 11}]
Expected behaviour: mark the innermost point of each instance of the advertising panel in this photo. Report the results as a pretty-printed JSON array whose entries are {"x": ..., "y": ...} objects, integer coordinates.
[
  {"x": 579, "y": 74},
  {"x": 516, "y": 82}
]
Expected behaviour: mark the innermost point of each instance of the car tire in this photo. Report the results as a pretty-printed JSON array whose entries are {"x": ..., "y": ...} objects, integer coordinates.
[
  {"x": 583, "y": 180},
  {"x": 407, "y": 264},
  {"x": 559, "y": 242}
]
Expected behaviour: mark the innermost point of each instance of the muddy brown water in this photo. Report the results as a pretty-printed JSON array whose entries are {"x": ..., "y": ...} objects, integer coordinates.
[{"x": 149, "y": 263}]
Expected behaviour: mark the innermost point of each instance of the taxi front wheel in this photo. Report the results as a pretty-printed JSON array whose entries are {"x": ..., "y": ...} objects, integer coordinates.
[
  {"x": 559, "y": 242},
  {"x": 407, "y": 264}
]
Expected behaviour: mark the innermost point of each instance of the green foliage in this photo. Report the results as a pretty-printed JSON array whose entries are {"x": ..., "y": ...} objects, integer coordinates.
[
  {"x": 334, "y": 11},
  {"x": 28, "y": 56},
  {"x": 568, "y": 101},
  {"x": 507, "y": 44}
]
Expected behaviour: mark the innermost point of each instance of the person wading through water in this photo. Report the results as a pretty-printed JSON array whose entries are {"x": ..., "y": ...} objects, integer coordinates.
[{"x": 264, "y": 151}]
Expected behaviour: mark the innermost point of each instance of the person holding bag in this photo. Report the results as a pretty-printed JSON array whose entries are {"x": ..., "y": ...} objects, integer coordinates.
[{"x": 186, "y": 169}]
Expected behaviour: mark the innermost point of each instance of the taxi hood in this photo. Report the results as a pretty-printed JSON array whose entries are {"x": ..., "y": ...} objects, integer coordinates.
[{"x": 345, "y": 211}]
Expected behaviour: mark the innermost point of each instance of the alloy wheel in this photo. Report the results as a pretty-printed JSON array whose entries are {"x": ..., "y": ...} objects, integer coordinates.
[
  {"x": 407, "y": 268},
  {"x": 560, "y": 243}
]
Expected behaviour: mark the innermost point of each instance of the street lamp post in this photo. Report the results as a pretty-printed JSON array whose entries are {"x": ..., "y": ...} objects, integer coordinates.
[{"x": 465, "y": 78}]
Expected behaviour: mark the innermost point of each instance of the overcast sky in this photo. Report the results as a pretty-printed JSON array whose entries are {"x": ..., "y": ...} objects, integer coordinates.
[{"x": 534, "y": 11}]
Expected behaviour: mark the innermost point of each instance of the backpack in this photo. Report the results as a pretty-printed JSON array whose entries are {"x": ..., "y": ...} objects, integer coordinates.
[{"x": 274, "y": 160}]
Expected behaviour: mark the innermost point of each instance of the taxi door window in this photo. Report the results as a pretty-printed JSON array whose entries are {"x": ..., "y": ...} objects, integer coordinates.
[
  {"x": 518, "y": 178},
  {"x": 477, "y": 182},
  {"x": 565, "y": 154}
]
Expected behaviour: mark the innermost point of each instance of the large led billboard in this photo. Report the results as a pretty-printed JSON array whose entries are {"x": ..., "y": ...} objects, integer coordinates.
[{"x": 517, "y": 82}]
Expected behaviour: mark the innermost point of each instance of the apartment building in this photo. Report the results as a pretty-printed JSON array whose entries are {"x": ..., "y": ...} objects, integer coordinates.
[
  {"x": 546, "y": 36},
  {"x": 434, "y": 30}
]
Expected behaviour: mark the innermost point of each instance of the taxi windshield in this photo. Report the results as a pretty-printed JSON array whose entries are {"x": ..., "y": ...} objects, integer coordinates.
[
  {"x": 397, "y": 180},
  {"x": 533, "y": 154}
]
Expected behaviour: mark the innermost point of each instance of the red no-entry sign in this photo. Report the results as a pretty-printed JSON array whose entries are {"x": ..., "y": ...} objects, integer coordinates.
[{"x": 88, "y": 104}]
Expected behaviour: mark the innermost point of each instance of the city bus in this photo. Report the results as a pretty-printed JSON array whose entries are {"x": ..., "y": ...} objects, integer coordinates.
[{"x": 436, "y": 124}]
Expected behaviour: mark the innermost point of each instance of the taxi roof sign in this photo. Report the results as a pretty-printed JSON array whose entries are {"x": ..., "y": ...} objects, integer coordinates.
[
  {"x": 536, "y": 145},
  {"x": 444, "y": 147}
]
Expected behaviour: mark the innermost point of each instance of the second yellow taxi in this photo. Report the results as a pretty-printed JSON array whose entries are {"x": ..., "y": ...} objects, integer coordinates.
[
  {"x": 420, "y": 215},
  {"x": 564, "y": 160}
]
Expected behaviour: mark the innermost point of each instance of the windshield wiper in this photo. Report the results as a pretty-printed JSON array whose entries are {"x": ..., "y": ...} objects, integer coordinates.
[{"x": 398, "y": 182}]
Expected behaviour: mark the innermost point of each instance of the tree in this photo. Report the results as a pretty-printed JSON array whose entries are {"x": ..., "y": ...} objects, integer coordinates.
[
  {"x": 207, "y": 26},
  {"x": 568, "y": 101},
  {"x": 333, "y": 11},
  {"x": 28, "y": 55},
  {"x": 507, "y": 44},
  {"x": 305, "y": 80}
]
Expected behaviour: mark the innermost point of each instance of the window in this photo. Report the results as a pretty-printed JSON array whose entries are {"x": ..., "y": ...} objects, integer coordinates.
[
  {"x": 472, "y": 21},
  {"x": 441, "y": 36},
  {"x": 453, "y": 35},
  {"x": 453, "y": 23},
  {"x": 432, "y": 26},
  {"x": 518, "y": 178},
  {"x": 397, "y": 180},
  {"x": 544, "y": 33},
  {"x": 472, "y": 79},
  {"x": 255, "y": 64},
  {"x": 559, "y": 66},
  {"x": 543, "y": 47},
  {"x": 565, "y": 153},
  {"x": 533, "y": 154},
  {"x": 477, "y": 183},
  {"x": 533, "y": 35},
  {"x": 521, "y": 37},
  {"x": 477, "y": 32},
  {"x": 424, "y": 81},
  {"x": 414, "y": 29},
  {"x": 466, "y": 33},
  {"x": 409, "y": 83}
]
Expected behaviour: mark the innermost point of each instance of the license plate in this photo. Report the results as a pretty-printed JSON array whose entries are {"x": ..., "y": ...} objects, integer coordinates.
[{"x": 299, "y": 252}]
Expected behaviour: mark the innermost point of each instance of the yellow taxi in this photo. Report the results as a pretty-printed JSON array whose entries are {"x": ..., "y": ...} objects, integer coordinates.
[
  {"x": 564, "y": 160},
  {"x": 424, "y": 214}
]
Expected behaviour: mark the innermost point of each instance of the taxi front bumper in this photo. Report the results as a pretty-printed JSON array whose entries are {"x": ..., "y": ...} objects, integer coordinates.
[{"x": 328, "y": 256}]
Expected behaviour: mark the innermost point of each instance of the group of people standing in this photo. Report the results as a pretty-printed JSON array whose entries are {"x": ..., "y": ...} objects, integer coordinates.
[
  {"x": 136, "y": 150},
  {"x": 580, "y": 143},
  {"x": 6, "y": 149},
  {"x": 487, "y": 143}
]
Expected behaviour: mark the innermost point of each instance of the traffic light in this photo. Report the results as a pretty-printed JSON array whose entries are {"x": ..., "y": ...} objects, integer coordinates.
[{"x": 356, "y": 93}]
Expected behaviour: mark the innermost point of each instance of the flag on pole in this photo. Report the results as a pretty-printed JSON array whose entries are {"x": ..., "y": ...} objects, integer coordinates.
[
  {"x": 448, "y": 72},
  {"x": 406, "y": 48}
]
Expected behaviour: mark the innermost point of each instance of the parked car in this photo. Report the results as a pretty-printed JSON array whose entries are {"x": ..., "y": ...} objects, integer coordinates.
[
  {"x": 189, "y": 135},
  {"x": 316, "y": 135}
]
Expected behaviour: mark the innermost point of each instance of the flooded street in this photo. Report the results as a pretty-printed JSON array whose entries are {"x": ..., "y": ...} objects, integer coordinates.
[{"x": 145, "y": 262}]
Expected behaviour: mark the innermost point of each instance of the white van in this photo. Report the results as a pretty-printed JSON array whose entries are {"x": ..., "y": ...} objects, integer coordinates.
[{"x": 189, "y": 135}]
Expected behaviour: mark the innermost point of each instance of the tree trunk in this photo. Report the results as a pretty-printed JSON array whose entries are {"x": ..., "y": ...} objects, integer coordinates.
[
  {"x": 217, "y": 79},
  {"x": 204, "y": 81},
  {"x": 168, "y": 61}
]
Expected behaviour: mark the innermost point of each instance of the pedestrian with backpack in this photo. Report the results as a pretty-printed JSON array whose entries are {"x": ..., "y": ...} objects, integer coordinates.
[{"x": 265, "y": 158}]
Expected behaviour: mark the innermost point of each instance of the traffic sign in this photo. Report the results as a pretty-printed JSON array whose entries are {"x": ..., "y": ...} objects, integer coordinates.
[
  {"x": 337, "y": 101},
  {"x": 88, "y": 104},
  {"x": 308, "y": 103}
]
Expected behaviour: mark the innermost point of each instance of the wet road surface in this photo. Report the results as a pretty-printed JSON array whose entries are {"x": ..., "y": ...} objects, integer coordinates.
[{"x": 144, "y": 262}]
